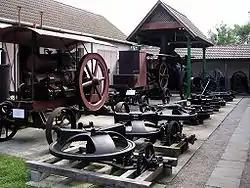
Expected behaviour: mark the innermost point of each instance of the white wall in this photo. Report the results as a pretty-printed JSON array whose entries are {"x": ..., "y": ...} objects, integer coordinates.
[
  {"x": 110, "y": 55},
  {"x": 9, "y": 49}
]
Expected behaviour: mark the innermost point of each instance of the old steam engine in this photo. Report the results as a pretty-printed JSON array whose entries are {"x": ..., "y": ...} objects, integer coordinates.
[{"x": 57, "y": 76}]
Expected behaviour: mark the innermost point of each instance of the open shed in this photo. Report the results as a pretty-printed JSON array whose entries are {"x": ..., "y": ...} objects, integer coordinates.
[{"x": 168, "y": 29}]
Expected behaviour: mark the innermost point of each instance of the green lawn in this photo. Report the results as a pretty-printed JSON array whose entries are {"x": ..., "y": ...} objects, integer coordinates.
[{"x": 13, "y": 172}]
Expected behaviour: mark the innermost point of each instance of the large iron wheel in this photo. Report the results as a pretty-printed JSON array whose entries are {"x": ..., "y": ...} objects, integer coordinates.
[
  {"x": 163, "y": 76},
  {"x": 7, "y": 128},
  {"x": 93, "y": 81},
  {"x": 60, "y": 117}
]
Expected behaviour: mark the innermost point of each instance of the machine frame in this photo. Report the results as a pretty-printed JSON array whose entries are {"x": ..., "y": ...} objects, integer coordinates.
[{"x": 16, "y": 113}]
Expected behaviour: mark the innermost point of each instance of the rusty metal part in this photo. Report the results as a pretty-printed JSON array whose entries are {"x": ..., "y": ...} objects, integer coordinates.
[
  {"x": 93, "y": 86},
  {"x": 60, "y": 117}
]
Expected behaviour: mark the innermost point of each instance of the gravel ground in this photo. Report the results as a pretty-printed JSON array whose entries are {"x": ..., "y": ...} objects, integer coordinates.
[
  {"x": 245, "y": 180},
  {"x": 198, "y": 170}
]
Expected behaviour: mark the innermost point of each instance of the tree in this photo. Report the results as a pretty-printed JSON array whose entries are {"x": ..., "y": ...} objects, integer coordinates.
[
  {"x": 223, "y": 35},
  {"x": 243, "y": 33},
  {"x": 238, "y": 34}
]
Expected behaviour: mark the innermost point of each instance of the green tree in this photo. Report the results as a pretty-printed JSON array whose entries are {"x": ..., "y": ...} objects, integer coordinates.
[
  {"x": 223, "y": 35},
  {"x": 243, "y": 33},
  {"x": 238, "y": 34}
]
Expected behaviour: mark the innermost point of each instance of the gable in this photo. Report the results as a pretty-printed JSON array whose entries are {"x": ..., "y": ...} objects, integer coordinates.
[{"x": 160, "y": 19}]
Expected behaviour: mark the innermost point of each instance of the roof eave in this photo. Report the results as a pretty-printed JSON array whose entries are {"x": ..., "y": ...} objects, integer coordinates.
[
  {"x": 184, "y": 25},
  {"x": 10, "y": 21}
]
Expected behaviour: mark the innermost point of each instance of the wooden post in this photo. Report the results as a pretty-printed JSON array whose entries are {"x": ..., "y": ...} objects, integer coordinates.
[
  {"x": 226, "y": 75},
  {"x": 188, "y": 66},
  {"x": 204, "y": 64}
]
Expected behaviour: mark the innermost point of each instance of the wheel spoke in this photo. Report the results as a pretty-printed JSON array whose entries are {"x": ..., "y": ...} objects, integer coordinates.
[
  {"x": 101, "y": 79},
  {"x": 96, "y": 68},
  {"x": 88, "y": 83},
  {"x": 89, "y": 72}
]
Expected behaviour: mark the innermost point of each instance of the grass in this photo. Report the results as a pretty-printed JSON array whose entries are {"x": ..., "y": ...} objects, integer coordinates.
[{"x": 13, "y": 172}]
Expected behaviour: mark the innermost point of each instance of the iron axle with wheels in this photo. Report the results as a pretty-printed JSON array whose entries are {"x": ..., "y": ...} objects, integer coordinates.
[
  {"x": 163, "y": 131},
  {"x": 10, "y": 123},
  {"x": 107, "y": 146}
]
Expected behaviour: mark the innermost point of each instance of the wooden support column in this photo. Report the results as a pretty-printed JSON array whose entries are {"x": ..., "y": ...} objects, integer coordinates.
[
  {"x": 226, "y": 75},
  {"x": 188, "y": 66},
  {"x": 204, "y": 63}
]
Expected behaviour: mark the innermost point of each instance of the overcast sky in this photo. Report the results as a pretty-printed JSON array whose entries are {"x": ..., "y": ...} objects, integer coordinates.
[{"x": 205, "y": 14}]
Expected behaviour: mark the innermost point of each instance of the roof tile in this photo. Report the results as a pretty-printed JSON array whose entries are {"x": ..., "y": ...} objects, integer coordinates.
[
  {"x": 219, "y": 52},
  {"x": 62, "y": 16}
]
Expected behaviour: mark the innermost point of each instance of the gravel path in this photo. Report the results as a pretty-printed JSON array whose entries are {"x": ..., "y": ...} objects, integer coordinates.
[
  {"x": 245, "y": 180},
  {"x": 197, "y": 171}
]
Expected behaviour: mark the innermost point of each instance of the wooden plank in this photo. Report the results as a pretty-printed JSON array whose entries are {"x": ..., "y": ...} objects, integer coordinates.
[
  {"x": 87, "y": 176},
  {"x": 128, "y": 174},
  {"x": 168, "y": 151},
  {"x": 150, "y": 175}
]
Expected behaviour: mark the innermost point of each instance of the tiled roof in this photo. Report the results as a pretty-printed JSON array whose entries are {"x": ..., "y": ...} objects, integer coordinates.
[
  {"x": 193, "y": 30},
  {"x": 62, "y": 16},
  {"x": 179, "y": 18},
  {"x": 219, "y": 52}
]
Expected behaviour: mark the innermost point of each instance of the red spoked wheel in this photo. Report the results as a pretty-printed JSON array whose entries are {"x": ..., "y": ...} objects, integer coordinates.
[{"x": 93, "y": 81}]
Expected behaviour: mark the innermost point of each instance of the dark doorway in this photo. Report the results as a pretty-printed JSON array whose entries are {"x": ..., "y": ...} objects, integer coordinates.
[{"x": 239, "y": 82}]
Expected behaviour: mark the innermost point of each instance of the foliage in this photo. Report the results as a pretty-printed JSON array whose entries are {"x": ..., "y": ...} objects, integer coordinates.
[
  {"x": 238, "y": 34},
  {"x": 13, "y": 172}
]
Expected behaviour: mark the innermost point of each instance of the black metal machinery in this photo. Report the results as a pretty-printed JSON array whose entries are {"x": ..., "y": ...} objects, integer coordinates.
[
  {"x": 154, "y": 125},
  {"x": 148, "y": 75},
  {"x": 53, "y": 79},
  {"x": 108, "y": 146}
]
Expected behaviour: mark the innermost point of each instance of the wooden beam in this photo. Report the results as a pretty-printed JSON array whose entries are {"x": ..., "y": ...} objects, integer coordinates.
[
  {"x": 87, "y": 176},
  {"x": 188, "y": 66},
  {"x": 154, "y": 26}
]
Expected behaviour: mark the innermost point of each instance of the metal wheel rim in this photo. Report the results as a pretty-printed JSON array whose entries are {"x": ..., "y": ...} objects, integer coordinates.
[{"x": 94, "y": 82}]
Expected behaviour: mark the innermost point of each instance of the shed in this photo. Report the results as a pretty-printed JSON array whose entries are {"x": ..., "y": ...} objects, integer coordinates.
[{"x": 231, "y": 60}]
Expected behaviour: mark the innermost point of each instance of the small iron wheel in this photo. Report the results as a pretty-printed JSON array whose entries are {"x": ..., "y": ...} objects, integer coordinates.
[
  {"x": 7, "y": 128},
  {"x": 146, "y": 158},
  {"x": 172, "y": 129},
  {"x": 163, "y": 76},
  {"x": 60, "y": 117},
  {"x": 93, "y": 81}
]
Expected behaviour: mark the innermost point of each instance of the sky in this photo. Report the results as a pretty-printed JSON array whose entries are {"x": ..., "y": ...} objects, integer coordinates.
[{"x": 205, "y": 14}]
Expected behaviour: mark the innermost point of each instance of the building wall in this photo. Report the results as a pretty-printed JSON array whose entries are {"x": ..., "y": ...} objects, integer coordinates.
[
  {"x": 9, "y": 48},
  {"x": 227, "y": 67}
]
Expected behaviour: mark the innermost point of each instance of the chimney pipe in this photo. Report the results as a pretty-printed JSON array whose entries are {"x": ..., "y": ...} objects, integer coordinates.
[
  {"x": 19, "y": 15},
  {"x": 41, "y": 21}
]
